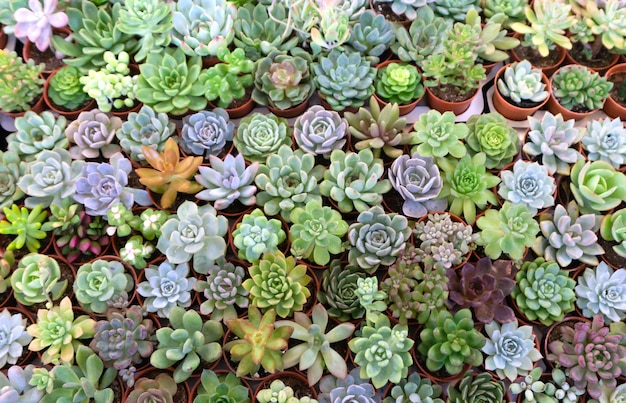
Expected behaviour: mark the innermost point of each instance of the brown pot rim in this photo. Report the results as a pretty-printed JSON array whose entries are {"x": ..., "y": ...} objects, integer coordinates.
[
  {"x": 292, "y": 112},
  {"x": 555, "y": 107},
  {"x": 509, "y": 110},
  {"x": 611, "y": 107},
  {"x": 69, "y": 114},
  {"x": 458, "y": 108}
]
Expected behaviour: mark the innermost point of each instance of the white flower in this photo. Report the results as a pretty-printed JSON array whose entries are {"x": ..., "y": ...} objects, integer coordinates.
[{"x": 602, "y": 292}]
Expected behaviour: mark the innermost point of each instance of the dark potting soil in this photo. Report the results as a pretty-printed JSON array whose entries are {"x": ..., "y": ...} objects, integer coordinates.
[
  {"x": 451, "y": 93},
  {"x": 393, "y": 201},
  {"x": 385, "y": 9},
  {"x": 530, "y": 54},
  {"x": 48, "y": 57},
  {"x": 118, "y": 392},
  {"x": 602, "y": 59},
  {"x": 609, "y": 253},
  {"x": 523, "y": 104},
  {"x": 618, "y": 80}
]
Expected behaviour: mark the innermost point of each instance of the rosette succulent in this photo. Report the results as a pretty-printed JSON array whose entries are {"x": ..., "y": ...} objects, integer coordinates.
[
  {"x": 35, "y": 133},
  {"x": 597, "y": 186},
  {"x": 36, "y": 21},
  {"x": 65, "y": 89},
  {"x": 337, "y": 291},
  {"x": 144, "y": 128},
  {"x": 521, "y": 83},
  {"x": 229, "y": 80},
  {"x": 91, "y": 135},
  {"x": 279, "y": 392},
  {"x": 491, "y": 134},
  {"x": 552, "y": 139},
  {"x": 160, "y": 389},
  {"x": 260, "y": 135},
  {"x": 227, "y": 181},
  {"x": 605, "y": 140},
  {"x": 205, "y": 133},
  {"x": 353, "y": 180},
  {"x": 455, "y": 9},
  {"x": 20, "y": 83},
  {"x": 166, "y": 286},
  {"x": 613, "y": 228},
  {"x": 477, "y": 389},
  {"x": 424, "y": 37},
  {"x": 37, "y": 279},
  {"x": 415, "y": 389},
  {"x": 371, "y": 35},
  {"x": 148, "y": 20},
  {"x": 225, "y": 388},
  {"x": 377, "y": 238},
  {"x": 15, "y": 384},
  {"x": 319, "y": 132},
  {"x": 602, "y": 292},
  {"x": 528, "y": 184},
  {"x": 578, "y": 88},
  {"x": 400, "y": 83},
  {"x": 350, "y": 389},
  {"x": 12, "y": 168},
  {"x": 256, "y": 235},
  {"x": 14, "y": 337},
  {"x": 276, "y": 282},
  {"x": 99, "y": 282},
  {"x": 514, "y": 10},
  {"x": 344, "y": 79},
  {"x": 543, "y": 291},
  {"x": 223, "y": 290},
  {"x": 438, "y": 135}
]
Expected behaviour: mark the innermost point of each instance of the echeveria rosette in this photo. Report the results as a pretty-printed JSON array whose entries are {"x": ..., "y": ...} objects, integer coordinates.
[
  {"x": 222, "y": 290},
  {"x": 543, "y": 291},
  {"x": 166, "y": 286},
  {"x": 196, "y": 232},
  {"x": 65, "y": 89},
  {"x": 12, "y": 168},
  {"x": 319, "y": 132},
  {"x": 353, "y": 180},
  {"x": 578, "y": 88},
  {"x": 594, "y": 354},
  {"x": 36, "y": 22},
  {"x": 477, "y": 388},
  {"x": 421, "y": 390},
  {"x": 602, "y": 292},
  {"x": 371, "y": 35},
  {"x": 450, "y": 342},
  {"x": 491, "y": 134},
  {"x": 316, "y": 232},
  {"x": 226, "y": 181},
  {"x": 597, "y": 186},
  {"x": 377, "y": 238},
  {"x": 225, "y": 388},
  {"x": 35, "y": 133},
  {"x": 256, "y": 235},
  {"x": 144, "y": 128},
  {"x": 418, "y": 180},
  {"x": 337, "y": 291},
  {"x": 13, "y": 337},
  {"x": 92, "y": 134},
  {"x": 100, "y": 282},
  {"x": 50, "y": 178},
  {"x": 509, "y": 230},
  {"x": 467, "y": 186},
  {"x": 613, "y": 229},
  {"x": 102, "y": 185},
  {"x": 351, "y": 389},
  {"x": 259, "y": 136},
  {"x": 483, "y": 287},
  {"x": 438, "y": 135},
  {"x": 37, "y": 279},
  {"x": 206, "y": 132},
  {"x": 510, "y": 350},
  {"x": 382, "y": 353},
  {"x": 529, "y": 184},
  {"x": 400, "y": 83},
  {"x": 605, "y": 140}
]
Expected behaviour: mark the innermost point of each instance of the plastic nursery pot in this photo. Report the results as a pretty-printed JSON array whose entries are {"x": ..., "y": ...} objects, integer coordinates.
[
  {"x": 596, "y": 65},
  {"x": 555, "y": 107},
  {"x": 613, "y": 108},
  {"x": 220, "y": 373},
  {"x": 69, "y": 114},
  {"x": 183, "y": 394},
  {"x": 292, "y": 112},
  {"x": 554, "y": 333},
  {"x": 239, "y": 111},
  {"x": 547, "y": 64},
  {"x": 295, "y": 380},
  {"x": 444, "y": 106},
  {"x": 404, "y": 109},
  {"x": 509, "y": 110}
]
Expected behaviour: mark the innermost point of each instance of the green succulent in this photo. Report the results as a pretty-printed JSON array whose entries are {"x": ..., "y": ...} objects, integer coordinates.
[
  {"x": 99, "y": 282},
  {"x": 491, "y": 134},
  {"x": 578, "y": 88},
  {"x": 371, "y": 298},
  {"x": 59, "y": 332},
  {"x": 372, "y": 35},
  {"x": 378, "y": 129},
  {"x": 353, "y": 180},
  {"x": 259, "y": 135},
  {"x": 278, "y": 392},
  {"x": 477, "y": 389},
  {"x": 514, "y": 10},
  {"x": 597, "y": 186},
  {"x": 26, "y": 225},
  {"x": 66, "y": 89},
  {"x": 400, "y": 83},
  {"x": 520, "y": 82},
  {"x": 424, "y": 37},
  {"x": 600, "y": 26},
  {"x": 169, "y": 82},
  {"x": 228, "y": 81},
  {"x": 337, "y": 291},
  {"x": 20, "y": 82},
  {"x": 188, "y": 340},
  {"x": 37, "y": 132},
  {"x": 37, "y": 279},
  {"x": 276, "y": 282},
  {"x": 144, "y": 128},
  {"x": 455, "y": 10},
  {"x": 415, "y": 389},
  {"x": 438, "y": 135},
  {"x": 494, "y": 42},
  {"x": 543, "y": 291},
  {"x": 256, "y": 235},
  {"x": 613, "y": 228},
  {"x": 160, "y": 389},
  {"x": 331, "y": 31},
  {"x": 150, "y": 21},
  {"x": 226, "y": 388},
  {"x": 12, "y": 168},
  {"x": 467, "y": 185},
  {"x": 223, "y": 290}
]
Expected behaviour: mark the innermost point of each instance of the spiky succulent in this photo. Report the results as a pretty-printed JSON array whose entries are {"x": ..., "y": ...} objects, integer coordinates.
[
  {"x": 476, "y": 389},
  {"x": 337, "y": 291},
  {"x": 319, "y": 131},
  {"x": 260, "y": 135},
  {"x": 227, "y": 181},
  {"x": 99, "y": 282},
  {"x": 91, "y": 135},
  {"x": 520, "y": 82},
  {"x": 491, "y": 134},
  {"x": 578, "y": 88},
  {"x": 597, "y": 186},
  {"x": 602, "y": 292},
  {"x": 144, "y": 128},
  {"x": 371, "y": 35},
  {"x": 423, "y": 38},
  {"x": 206, "y": 132},
  {"x": 37, "y": 132},
  {"x": 528, "y": 184},
  {"x": 605, "y": 140},
  {"x": 223, "y": 290}
]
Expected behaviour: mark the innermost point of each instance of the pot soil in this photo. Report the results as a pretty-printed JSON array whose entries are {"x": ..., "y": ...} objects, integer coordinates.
[
  {"x": 615, "y": 105},
  {"x": 600, "y": 63},
  {"x": 47, "y": 57},
  {"x": 548, "y": 64}
]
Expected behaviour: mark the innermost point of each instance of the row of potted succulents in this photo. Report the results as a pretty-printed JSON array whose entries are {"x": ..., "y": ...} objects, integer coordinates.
[{"x": 152, "y": 239}]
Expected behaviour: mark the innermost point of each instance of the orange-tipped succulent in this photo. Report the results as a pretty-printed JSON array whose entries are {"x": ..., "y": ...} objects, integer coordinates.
[{"x": 170, "y": 174}]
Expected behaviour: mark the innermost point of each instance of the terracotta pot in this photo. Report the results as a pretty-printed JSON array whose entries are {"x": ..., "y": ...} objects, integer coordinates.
[
  {"x": 548, "y": 70},
  {"x": 602, "y": 70},
  {"x": 612, "y": 107},
  {"x": 555, "y": 107},
  {"x": 292, "y": 112},
  {"x": 3, "y": 37},
  {"x": 71, "y": 115},
  {"x": 290, "y": 378},
  {"x": 568, "y": 321},
  {"x": 238, "y": 112},
  {"x": 444, "y": 106},
  {"x": 508, "y": 110},
  {"x": 220, "y": 372}
]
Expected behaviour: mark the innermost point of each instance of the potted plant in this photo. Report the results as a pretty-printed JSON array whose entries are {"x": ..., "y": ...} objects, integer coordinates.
[
  {"x": 520, "y": 90},
  {"x": 21, "y": 85},
  {"x": 615, "y": 104},
  {"x": 400, "y": 83}
]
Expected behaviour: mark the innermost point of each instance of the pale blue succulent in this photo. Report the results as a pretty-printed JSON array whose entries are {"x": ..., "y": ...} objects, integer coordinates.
[
  {"x": 351, "y": 389},
  {"x": 602, "y": 292},
  {"x": 100, "y": 282},
  {"x": 13, "y": 337},
  {"x": 529, "y": 184},
  {"x": 372, "y": 35},
  {"x": 92, "y": 134},
  {"x": 605, "y": 140},
  {"x": 256, "y": 235},
  {"x": 12, "y": 168},
  {"x": 206, "y": 132},
  {"x": 15, "y": 385},
  {"x": 194, "y": 232},
  {"x": 223, "y": 290},
  {"x": 407, "y": 8},
  {"x": 37, "y": 132},
  {"x": 227, "y": 181},
  {"x": 260, "y": 135},
  {"x": 50, "y": 178},
  {"x": 319, "y": 131},
  {"x": 166, "y": 286},
  {"x": 455, "y": 9},
  {"x": 510, "y": 350},
  {"x": 520, "y": 82},
  {"x": 202, "y": 27},
  {"x": 144, "y": 128},
  {"x": 102, "y": 185}
]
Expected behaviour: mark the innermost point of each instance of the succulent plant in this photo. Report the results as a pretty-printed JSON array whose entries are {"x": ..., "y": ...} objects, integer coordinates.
[
  {"x": 597, "y": 186},
  {"x": 148, "y": 20},
  {"x": 276, "y": 282},
  {"x": 353, "y": 180},
  {"x": 99, "y": 282},
  {"x": 21, "y": 82},
  {"x": 188, "y": 340},
  {"x": 543, "y": 291},
  {"x": 406, "y": 9},
  {"x": 12, "y": 168},
  {"x": 601, "y": 292},
  {"x": 260, "y": 135},
  {"x": 612, "y": 229},
  {"x": 135, "y": 252},
  {"x": 413, "y": 389},
  {"x": 258, "y": 342},
  {"x": 337, "y": 291},
  {"x": 202, "y": 27},
  {"x": 227, "y": 181},
  {"x": 91, "y": 135},
  {"x": 66, "y": 90},
  {"x": 205, "y": 133},
  {"x": 532, "y": 388},
  {"x": 477, "y": 388},
  {"x": 26, "y": 225},
  {"x": 282, "y": 80},
  {"x": 371, "y": 298},
  {"x": 15, "y": 385},
  {"x": 35, "y": 133},
  {"x": 578, "y": 88},
  {"x": 344, "y": 79},
  {"x": 169, "y": 82},
  {"x": 400, "y": 83},
  {"x": 316, "y": 352},
  {"x": 455, "y": 9},
  {"x": 331, "y": 30},
  {"x": 256, "y": 235},
  {"x": 319, "y": 131},
  {"x": 228, "y": 81},
  {"x": 352, "y": 388},
  {"x": 521, "y": 83},
  {"x": 568, "y": 236},
  {"x": 279, "y": 392},
  {"x": 605, "y": 140},
  {"x": 144, "y": 128},
  {"x": 494, "y": 39},
  {"x": 528, "y": 184},
  {"x": 424, "y": 37},
  {"x": 166, "y": 287},
  {"x": 514, "y": 10},
  {"x": 491, "y": 134},
  {"x": 483, "y": 287},
  {"x": 372, "y": 35},
  {"x": 593, "y": 353},
  {"x": 37, "y": 279},
  {"x": 160, "y": 389},
  {"x": 467, "y": 185},
  {"x": 442, "y": 241},
  {"x": 438, "y": 135},
  {"x": 450, "y": 342},
  {"x": 59, "y": 332},
  {"x": 101, "y": 185},
  {"x": 225, "y": 387},
  {"x": 123, "y": 339},
  {"x": 14, "y": 337},
  {"x": 378, "y": 129},
  {"x": 196, "y": 232},
  {"x": 223, "y": 290}
]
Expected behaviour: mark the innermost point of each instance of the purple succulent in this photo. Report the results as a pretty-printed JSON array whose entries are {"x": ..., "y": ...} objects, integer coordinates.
[
  {"x": 87, "y": 238},
  {"x": 36, "y": 22},
  {"x": 483, "y": 288}
]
